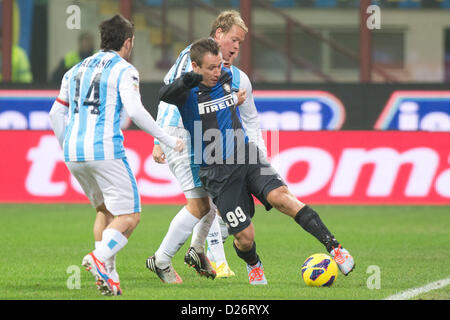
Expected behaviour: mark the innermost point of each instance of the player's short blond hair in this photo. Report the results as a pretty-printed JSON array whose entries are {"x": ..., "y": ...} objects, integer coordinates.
[{"x": 226, "y": 20}]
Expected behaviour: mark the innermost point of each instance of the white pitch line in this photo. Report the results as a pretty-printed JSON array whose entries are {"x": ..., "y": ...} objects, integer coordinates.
[{"x": 411, "y": 293}]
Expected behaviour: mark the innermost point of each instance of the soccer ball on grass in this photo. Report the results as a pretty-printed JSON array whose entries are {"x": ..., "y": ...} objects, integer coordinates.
[{"x": 319, "y": 270}]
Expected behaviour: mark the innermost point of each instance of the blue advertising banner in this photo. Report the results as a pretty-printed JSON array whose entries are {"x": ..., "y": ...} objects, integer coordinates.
[
  {"x": 343, "y": 107},
  {"x": 29, "y": 109},
  {"x": 299, "y": 110},
  {"x": 278, "y": 110},
  {"x": 416, "y": 111},
  {"x": 26, "y": 109}
]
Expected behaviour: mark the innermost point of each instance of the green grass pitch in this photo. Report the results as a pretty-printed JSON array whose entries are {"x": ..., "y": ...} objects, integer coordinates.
[{"x": 43, "y": 245}]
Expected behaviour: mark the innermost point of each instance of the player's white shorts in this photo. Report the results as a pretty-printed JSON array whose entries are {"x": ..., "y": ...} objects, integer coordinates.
[
  {"x": 180, "y": 164},
  {"x": 108, "y": 181}
]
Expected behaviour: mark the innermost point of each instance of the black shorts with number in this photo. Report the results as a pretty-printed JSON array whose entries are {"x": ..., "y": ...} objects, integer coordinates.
[{"x": 231, "y": 187}]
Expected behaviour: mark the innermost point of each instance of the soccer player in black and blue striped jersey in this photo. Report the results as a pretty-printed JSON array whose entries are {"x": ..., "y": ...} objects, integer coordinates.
[
  {"x": 198, "y": 217},
  {"x": 232, "y": 169}
]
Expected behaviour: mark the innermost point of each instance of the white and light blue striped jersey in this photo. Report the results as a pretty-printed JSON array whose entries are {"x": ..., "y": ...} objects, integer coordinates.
[
  {"x": 92, "y": 90},
  {"x": 168, "y": 114}
]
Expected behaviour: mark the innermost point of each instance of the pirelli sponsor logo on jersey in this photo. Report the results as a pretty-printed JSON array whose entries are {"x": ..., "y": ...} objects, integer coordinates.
[{"x": 215, "y": 105}]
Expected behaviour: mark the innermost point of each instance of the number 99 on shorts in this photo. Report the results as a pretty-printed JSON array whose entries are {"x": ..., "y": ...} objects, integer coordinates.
[{"x": 235, "y": 217}]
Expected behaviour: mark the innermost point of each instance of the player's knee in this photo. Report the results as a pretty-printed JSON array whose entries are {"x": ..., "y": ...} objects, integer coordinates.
[
  {"x": 244, "y": 240},
  {"x": 198, "y": 207},
  {"x": 136, "y": 219},
  {"x": 283, "y": 200},
  {"x": 132, "y": 220},
  {"x": 243, "y": 244},
  {"x": 101, "y": 209}
]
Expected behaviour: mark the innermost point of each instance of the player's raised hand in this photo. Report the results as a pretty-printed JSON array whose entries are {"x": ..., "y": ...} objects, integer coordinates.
[
  {"x": 158, "y": 154},
  {"x": 242, "y": 95},
  {"x": 192, "y": 79}
]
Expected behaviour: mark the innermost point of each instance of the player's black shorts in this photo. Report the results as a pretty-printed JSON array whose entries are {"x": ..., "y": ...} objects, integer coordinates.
[{"x": 231, "y": 187}]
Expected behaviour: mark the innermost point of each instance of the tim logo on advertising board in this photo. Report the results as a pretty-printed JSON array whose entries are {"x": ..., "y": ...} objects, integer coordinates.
[
  {"x": 416, "y": 111},
  {"x": 299, "y": 110}
]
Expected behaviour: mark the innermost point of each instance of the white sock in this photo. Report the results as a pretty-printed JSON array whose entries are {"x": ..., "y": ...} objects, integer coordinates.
[
  {"x": 201, "y": 230},
  {"x": 215, "y": 251},
  {"x": 179, "y": 231},
  {"x": 112, "y": 242},
  {"x": 110, "y": 265},
  {"x": 223, "y": 228}
]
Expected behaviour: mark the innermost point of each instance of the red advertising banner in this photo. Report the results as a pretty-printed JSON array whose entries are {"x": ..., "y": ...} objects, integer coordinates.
[{"x": 323, "y": 167}]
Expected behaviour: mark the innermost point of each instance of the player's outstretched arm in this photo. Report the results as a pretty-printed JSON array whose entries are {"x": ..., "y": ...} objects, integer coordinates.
[
  {"x": 131, "y": 99},
  {"x": 177, "y": 92}
]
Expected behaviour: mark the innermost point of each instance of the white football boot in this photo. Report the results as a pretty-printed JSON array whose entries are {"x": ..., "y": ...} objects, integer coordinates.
[
  {"x": 343, "y": 259},
  {"x": 256, "y": 274},
  {"x": 105, "y": 284},
  {"x": 167, "y": 275}
]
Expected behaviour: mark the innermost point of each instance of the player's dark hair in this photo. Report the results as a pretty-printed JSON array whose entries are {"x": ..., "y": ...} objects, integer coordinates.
[
  {"x": 114, "y": 32},
  {"x": 201, "y": 47}
]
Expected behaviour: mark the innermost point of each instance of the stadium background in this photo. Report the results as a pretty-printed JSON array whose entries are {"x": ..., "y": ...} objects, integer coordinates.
[
  {"x": 351, "y": 116},
  {"x": 309, "y": 71}
]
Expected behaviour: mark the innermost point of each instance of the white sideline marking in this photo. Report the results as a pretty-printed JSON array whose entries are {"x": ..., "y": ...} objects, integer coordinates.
[{"x": 411, "y": 293}]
